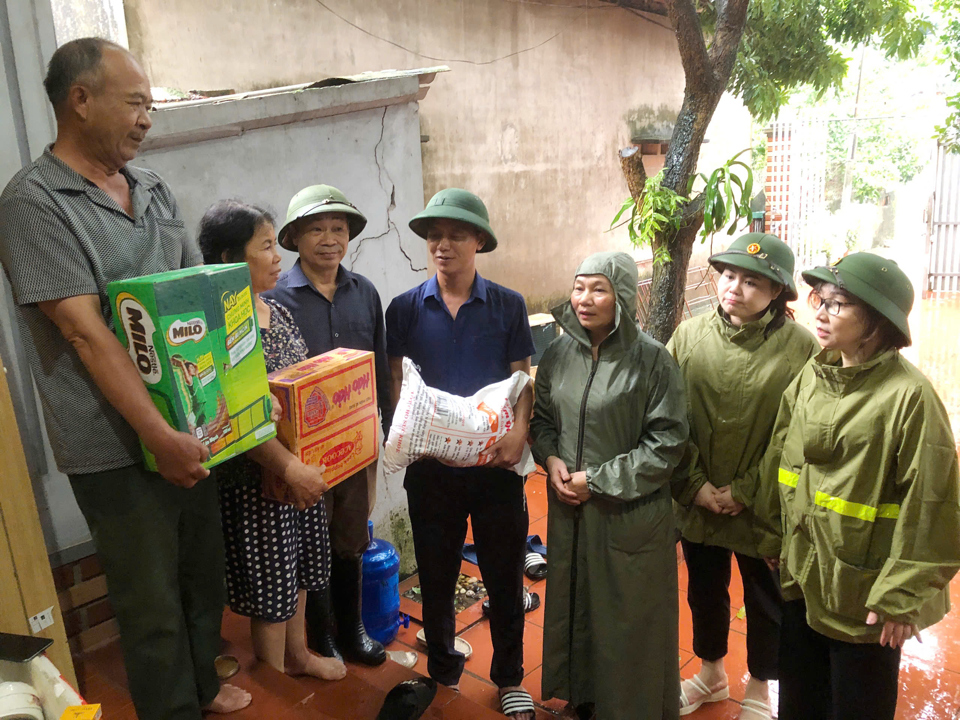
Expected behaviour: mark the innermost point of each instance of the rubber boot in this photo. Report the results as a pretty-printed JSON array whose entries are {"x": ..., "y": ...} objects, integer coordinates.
[
  {"x": 352, "y": 639},
  {"x": 320, "y": 624}
]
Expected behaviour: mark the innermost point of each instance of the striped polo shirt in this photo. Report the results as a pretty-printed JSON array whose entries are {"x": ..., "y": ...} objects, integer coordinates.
[{"x": 62, "y": 236}]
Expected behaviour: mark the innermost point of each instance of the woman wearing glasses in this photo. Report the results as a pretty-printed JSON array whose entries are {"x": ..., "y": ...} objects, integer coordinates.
[
  {"x": 859, "y": 498},
  {"x": 736, "y": 363}
]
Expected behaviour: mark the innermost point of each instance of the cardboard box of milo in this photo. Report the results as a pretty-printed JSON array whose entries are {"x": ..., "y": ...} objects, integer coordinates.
[{"x": 193, "y": 336}]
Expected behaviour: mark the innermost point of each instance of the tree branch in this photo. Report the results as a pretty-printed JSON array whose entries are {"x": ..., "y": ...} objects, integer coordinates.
[
  {"x": 697, "y": 65},
  {"x": 631, "y": 163},
  {"x": 731, "y": 19}
]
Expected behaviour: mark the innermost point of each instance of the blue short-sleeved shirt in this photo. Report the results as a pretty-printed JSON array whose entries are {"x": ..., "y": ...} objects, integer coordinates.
[
  {"x": 353, "y": 320},
  {"x": 463, "y": 355}
]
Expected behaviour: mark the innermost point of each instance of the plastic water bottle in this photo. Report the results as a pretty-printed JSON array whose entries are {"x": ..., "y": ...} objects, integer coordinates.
[{"x": 381, "y": 589}]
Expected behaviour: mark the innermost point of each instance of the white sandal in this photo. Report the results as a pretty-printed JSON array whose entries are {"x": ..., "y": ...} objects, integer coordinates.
[
  {"x": 695, "y": 684},
  {"x": 755, "y": 710}
]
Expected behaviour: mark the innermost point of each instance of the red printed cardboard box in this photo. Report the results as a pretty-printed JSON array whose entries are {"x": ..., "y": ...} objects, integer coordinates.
[{"x": 329, "y": 406}]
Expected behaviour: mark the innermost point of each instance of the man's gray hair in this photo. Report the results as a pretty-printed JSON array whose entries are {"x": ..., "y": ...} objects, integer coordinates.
[{"x": 76, "y": 61}]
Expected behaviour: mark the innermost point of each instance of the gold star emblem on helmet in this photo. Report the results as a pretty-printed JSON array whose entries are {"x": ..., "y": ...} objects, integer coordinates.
[{"x": 753, "y": 248}]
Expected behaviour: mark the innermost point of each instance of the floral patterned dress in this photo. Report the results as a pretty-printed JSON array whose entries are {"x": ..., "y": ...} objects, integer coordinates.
[{"x": 272, "y": 549}]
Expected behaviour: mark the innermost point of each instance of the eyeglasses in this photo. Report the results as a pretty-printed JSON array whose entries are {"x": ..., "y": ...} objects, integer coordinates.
[{"x": 832, "y": 306}]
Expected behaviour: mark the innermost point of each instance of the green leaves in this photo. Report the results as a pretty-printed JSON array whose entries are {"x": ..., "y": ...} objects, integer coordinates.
[
  {"x": 791, "y": 43},
  {"x": 659, "y": 213},
  {"x": 949, "y": 35},
  {"x": 726, "y": 196}
]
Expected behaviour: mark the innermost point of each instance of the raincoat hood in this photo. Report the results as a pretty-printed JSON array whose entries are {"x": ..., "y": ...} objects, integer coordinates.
[{"x": 621, "y": 270}]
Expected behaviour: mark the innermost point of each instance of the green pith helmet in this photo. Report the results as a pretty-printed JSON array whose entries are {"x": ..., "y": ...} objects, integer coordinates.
[
  {"x": 317, "y": 199},
  {"x": 876, "y": 280},
  {"x": 764, "y": 254},
  {"x": 456, "y": 204}
]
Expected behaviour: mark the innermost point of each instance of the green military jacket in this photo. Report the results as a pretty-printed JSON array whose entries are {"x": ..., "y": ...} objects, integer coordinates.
[
  {"x": 860, "y": 496},
  {"x": 734, "y": 377},
  {"x": 611, "y": 614}
]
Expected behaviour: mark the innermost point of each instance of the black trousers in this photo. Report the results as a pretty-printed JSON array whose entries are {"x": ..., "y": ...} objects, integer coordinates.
[
  {"x": 825, "y": 679},
  {"x": 708, "y": 593},
  {"x": 441, "y": 499},
  {"x": 161, "y": 548}
]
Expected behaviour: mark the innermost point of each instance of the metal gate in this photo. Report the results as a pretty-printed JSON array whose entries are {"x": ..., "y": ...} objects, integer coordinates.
[
  {"x": 795, "y": 184},
  {"x": 943, "y": 261}
]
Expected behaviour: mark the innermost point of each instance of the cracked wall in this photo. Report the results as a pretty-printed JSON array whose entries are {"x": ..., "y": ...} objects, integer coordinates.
[
  {"x": 536, "y": 134},
  {"x": 373, "y": 156}
]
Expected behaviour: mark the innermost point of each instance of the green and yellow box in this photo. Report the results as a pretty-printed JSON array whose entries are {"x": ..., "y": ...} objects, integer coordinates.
[{"x": 194, "y": 337}]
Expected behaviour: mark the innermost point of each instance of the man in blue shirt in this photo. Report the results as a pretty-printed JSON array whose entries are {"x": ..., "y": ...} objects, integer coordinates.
[
  {"x": 464, "y": 332},
  {"x": 333, "y": 308}
]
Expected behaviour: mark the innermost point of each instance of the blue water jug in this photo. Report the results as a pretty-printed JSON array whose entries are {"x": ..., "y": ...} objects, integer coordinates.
[{"x": 381, "y": 589}]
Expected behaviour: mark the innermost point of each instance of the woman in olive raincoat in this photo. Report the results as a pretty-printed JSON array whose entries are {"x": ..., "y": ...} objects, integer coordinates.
[
  {"x": 609, "y": 426},
  {"x": 736, "y": 363},
  {"x": 860, "y": 496}
]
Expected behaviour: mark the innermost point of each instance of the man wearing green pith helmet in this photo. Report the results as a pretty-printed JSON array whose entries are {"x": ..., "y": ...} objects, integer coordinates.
[
  {"x": 465, "y": 332},
  {"x": 333, "y": 308}
]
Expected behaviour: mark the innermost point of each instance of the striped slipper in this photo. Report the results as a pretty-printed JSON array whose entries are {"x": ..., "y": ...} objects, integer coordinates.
[
  {"x": 535, "y": 566},
  {"x": 531, "y": 601},
  {"x": 516, "y": 702}
]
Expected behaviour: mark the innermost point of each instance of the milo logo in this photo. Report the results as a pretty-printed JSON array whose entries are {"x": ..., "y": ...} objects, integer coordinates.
[
  {"x": 337, "y": 454},
  {"x": 182, "y": 331},
  {"x": 139, "y": 328}
]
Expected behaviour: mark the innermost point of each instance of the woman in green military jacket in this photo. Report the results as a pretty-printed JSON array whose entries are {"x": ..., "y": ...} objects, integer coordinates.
[
  {"x": 860, "y": 497},
  {"x": 736, "y": 363},
  {"x": 609, "y": 426}
]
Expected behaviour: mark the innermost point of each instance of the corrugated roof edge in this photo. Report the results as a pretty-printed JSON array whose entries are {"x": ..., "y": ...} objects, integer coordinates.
[
  {"x": 427, "y": 75},
  {"x": 184, "y": 123}
]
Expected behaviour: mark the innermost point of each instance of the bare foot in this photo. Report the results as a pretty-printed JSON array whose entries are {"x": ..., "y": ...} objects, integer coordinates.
[
  {"x": 317, "y": 666},
  {"x": 228, "y": 700}
]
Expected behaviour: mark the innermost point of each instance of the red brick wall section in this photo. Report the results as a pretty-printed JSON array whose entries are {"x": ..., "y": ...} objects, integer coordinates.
[{"x": 87, "y": 615}]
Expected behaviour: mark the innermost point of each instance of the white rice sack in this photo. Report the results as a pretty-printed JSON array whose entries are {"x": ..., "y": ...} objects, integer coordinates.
[{"x": 453, "y": 429}]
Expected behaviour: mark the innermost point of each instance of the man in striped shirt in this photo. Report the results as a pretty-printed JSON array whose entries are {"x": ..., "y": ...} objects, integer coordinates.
[{"x": 71, "y": 222}]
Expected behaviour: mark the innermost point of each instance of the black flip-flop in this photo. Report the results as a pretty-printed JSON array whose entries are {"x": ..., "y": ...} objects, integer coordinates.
[
  {"x": 408, "y": 700},
  {"x": 535, "y": 566},
  {"x": 531, "y": 601}
]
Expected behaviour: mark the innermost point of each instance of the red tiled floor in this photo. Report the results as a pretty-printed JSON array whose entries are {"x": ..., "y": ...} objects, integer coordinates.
[
  {"x": 929, "y": 677},
  {"x": 539, "y": 527},
  {"x": 536, "y": 497}
]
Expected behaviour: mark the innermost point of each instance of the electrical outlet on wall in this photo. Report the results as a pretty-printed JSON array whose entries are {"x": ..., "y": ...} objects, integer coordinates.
[{"x": 41, "y": 620}]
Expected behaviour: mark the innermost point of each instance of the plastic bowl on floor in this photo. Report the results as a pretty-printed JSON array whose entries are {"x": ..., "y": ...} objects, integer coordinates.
[{"x": 459, "y": 643}]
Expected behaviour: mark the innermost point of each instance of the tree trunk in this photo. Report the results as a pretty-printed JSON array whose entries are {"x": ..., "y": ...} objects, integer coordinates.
[
  {"x": 707, "y": 72},
  {"x": 670, "y": 283},
  {"x": 670, "y": 278}
]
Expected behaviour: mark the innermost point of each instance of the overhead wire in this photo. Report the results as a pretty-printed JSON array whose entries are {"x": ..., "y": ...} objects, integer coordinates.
[{"x": 584, "y": 7}]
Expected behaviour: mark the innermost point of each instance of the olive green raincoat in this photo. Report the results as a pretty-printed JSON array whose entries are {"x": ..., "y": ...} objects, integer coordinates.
[
  {"x": 860, "y": 496},
  {"x": 611, "y": 616},
  {"x": 734, "y": 377}
]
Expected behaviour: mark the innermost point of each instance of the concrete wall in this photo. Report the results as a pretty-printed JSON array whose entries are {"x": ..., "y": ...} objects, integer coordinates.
[
  {"x": 74, "y": 19},
  {"x": 363, "y": 138},
  {"x": 535, "y": 133},
  {"x": 27, "y": 40}
]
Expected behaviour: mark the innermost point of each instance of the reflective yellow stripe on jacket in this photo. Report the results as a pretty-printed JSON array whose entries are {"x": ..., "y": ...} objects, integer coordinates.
[{"x": 841, "y": 506}]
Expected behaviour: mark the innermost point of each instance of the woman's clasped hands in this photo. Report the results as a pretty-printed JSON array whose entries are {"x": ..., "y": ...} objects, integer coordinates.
[{"x": 570, "y": 488}]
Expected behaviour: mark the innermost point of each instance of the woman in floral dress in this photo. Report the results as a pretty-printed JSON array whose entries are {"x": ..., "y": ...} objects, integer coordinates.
[{"x": 275, "y": 552}]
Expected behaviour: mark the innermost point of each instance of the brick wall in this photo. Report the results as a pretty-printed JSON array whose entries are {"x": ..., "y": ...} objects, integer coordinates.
[{"x": 87, "y": 614}]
